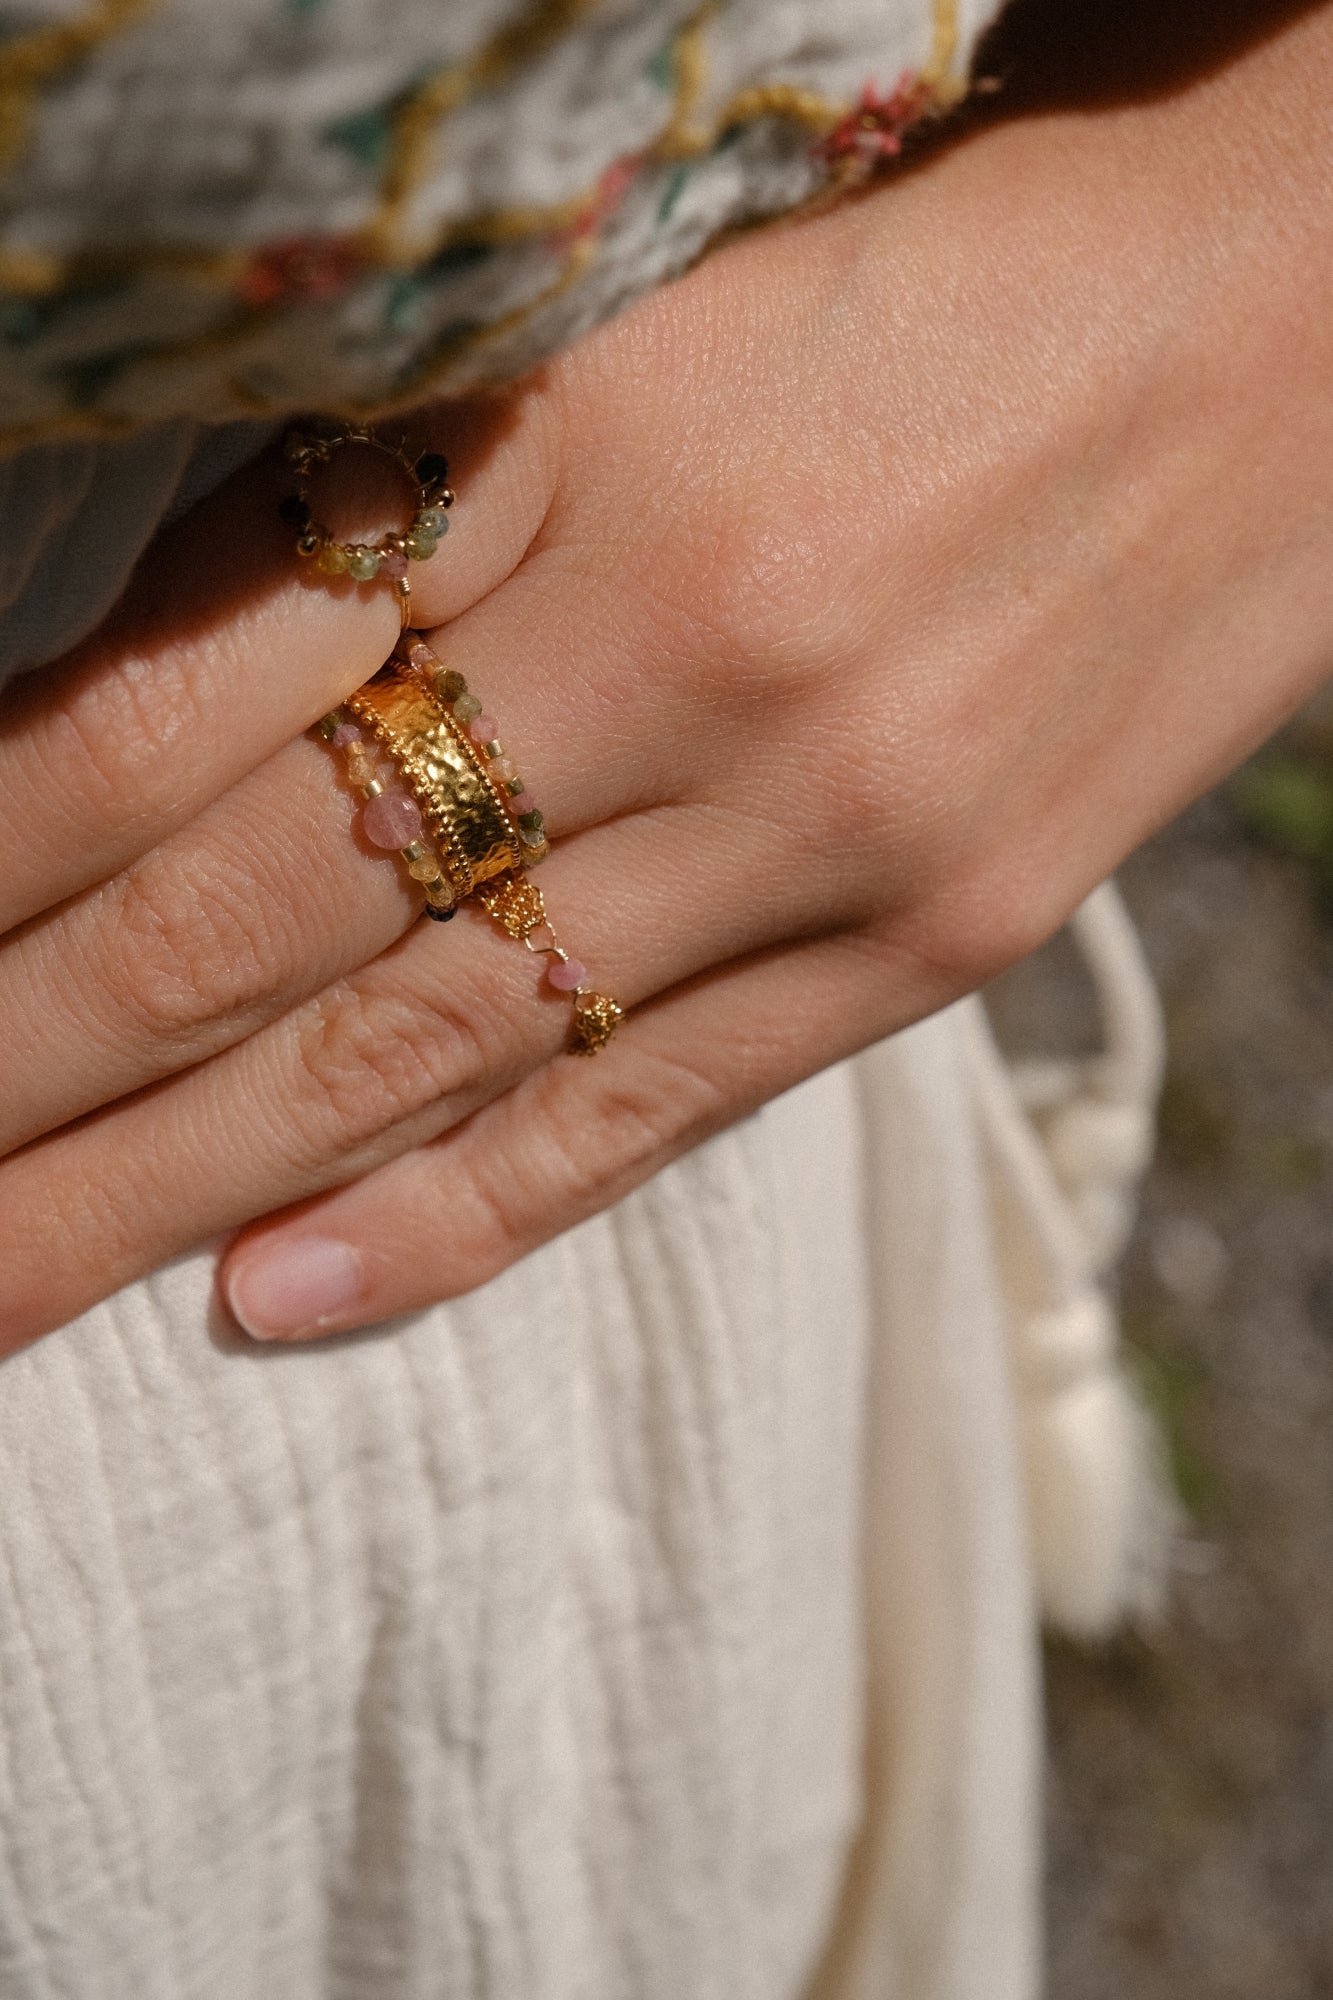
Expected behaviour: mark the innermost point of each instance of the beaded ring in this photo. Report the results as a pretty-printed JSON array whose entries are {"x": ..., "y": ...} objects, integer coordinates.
[
  {"x": 307, "y": 452},
  {"x": 455, "y": 808},
  {"x": 391, "y": 818}
]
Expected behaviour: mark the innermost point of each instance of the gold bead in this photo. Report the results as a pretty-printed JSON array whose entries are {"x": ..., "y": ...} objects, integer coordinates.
[
  {"x": 596, "y": 1017},
  {"x": 372, "y": 788},
  {"x": 423, "y": 867},
  {"x": 495, "y": 748},
  {"x": 413, "y": 851}
]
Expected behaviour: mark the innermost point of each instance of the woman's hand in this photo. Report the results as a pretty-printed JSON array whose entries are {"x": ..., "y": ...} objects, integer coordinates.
[{"x": 853, "y": 606}]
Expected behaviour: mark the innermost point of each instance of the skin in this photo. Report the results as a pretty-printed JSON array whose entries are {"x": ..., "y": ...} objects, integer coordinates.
[{"x": 853, "y": 606}]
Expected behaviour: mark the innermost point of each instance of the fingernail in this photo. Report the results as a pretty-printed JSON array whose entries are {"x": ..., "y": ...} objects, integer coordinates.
[{"x": 289, "y": 1289}]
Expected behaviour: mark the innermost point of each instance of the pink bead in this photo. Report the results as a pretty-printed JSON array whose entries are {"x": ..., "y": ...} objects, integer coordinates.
[
  {"x": 567, "y": 975},
  {"x": 522, "y": 802},
  {"x": 485, "y": 729},
  {"x": 392, "y": 820},
  {"x": 345, "y": 733},
  {"x": 418, "y": 652},
  {"x": 394, "y": 565}
]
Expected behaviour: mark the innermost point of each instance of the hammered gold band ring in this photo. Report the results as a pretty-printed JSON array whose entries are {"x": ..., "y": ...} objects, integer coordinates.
[{"x": 438, "y": 784}]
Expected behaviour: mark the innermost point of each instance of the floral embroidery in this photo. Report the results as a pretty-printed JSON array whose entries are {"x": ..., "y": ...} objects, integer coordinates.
[
  {"x": 389, "y": 306},
  {"x": 302, "y": 267},
  {"x": 610, "y": 190},
  {"x": 872, "y": 131}
]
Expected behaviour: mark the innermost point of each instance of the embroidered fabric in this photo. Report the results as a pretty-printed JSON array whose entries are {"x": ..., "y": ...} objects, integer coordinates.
[{"x": 232, "y": 212}]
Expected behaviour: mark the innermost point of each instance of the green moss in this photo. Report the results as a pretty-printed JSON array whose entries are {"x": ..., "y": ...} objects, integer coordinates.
[
  {"x": 1194, "y": 1125},
  {"x": 1171, "y": 1383},
  {"x": 1286, "y": 801}
]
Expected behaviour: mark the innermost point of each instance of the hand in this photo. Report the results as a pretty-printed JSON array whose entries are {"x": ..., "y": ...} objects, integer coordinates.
[{"x": 853, "y": 606}]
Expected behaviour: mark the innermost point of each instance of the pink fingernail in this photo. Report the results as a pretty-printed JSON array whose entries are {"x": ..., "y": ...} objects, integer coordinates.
[{"x": 285, "y": 1290}]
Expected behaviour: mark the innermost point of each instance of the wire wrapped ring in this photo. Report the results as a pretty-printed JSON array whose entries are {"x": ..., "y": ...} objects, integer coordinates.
[{"x": 308, "y": 452}]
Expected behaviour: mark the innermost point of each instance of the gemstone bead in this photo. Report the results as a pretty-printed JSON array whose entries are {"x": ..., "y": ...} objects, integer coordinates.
[
  {"x": 394, "y": 564},
  {"x": 567, "y": 975},
  {"x": 466, "y": 707},
  {"x": 419, "y": 545},
  {"x": 332, "y": 560},
  {"x": 420, "y": 654},
  {"x": 392, "y": 820},
  {"x": 449, "y": 685},
  {"x": 424, "y": 868},
  {"x": 531, "y": 824},
  {"x": 359, "y": 767},
  {"x": 345, "y": 733},
  {"x": 502, "y": 769},
  {"x": 364, "y": 564},
  {"x": 433, "y": 521},
  {"x": 483, "y": 728}
]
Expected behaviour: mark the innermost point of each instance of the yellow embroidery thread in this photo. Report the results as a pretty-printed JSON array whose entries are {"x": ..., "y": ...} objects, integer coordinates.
[
  {"x": 29, "y": 61},
  {"x": 417, "y": 125},
  {"x": 679, "y": 139}
]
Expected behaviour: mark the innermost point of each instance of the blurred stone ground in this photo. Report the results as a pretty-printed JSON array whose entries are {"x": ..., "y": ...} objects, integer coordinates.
[{"x": 1191, "y": 1781}]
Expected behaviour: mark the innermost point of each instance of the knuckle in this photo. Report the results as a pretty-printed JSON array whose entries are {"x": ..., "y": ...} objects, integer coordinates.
[
  {"x": 628, "y": 1126},
  {"x": 368, "y": 1064},
  {"x": 118, "y": 734},
  {"x": 637, "y": 1115},
  {"x": 978, "y": 926},
  {"x": 186, "y": 949},
  {"x": 772, "y": 586}
]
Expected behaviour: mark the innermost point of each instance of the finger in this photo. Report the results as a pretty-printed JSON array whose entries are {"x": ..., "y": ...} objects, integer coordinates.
[
  {"x": 569, "y": 1141},
  {"x": 400, "y": 1051},
  {"x": 258, "y": 903},
  {"x": 268, "y": 896},
  {"x": 223, "y": 648}
]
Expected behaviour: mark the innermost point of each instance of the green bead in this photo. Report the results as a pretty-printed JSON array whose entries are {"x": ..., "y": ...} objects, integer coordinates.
[
  {"x": 449, "y": 684},
  {"x": 419, "y": 545},
  {"x": 431, "y": 521},
  {"x": 327, "y": 725},
  {"x": 532, "y": 825},
  {"x": 466, "y": 707},
  {"x": 364, "y": 565}
]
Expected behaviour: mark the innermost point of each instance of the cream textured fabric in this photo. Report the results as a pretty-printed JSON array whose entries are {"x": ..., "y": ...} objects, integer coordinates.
[
  {"x": 660, "y": 1621},
  {"x": 511, "y": 1652},
  {"x": 518, "y": 1650}
]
